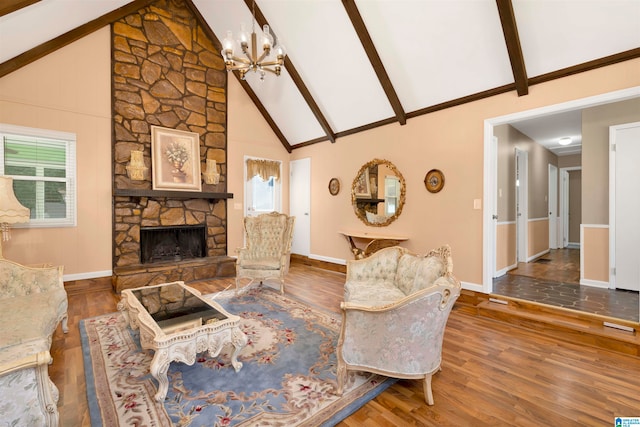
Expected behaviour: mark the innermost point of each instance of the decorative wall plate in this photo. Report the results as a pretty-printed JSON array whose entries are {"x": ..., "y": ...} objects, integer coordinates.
[
  {"x": 434, "y": 181},
  {"x": 334, "y": 186}
]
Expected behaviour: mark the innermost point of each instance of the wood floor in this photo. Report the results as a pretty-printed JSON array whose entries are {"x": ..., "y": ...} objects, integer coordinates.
[
  {"x": 554, "y": 279},
  {"x": 493, "y": 374}
]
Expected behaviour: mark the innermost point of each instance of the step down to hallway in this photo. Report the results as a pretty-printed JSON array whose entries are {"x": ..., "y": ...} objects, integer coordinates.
[{"x": 570, "y": 325}]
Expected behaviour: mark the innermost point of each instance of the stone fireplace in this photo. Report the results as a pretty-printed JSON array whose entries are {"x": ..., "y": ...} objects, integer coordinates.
[
  {"x": 177, "y": 243},
  {"x": 167, "y": 72}
]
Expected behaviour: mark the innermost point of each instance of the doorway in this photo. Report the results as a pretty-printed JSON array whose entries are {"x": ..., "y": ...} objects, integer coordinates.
[
  {"x": 490, "y": 179},
  {"x": 300, "y": 205}
]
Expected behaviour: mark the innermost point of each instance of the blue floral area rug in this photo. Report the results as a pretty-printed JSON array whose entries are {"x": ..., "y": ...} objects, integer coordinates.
[{"x": 288, "y": 376}]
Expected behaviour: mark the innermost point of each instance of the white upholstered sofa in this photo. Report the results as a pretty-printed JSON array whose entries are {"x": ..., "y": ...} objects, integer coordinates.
[
  {"x": 395, "y": 309},
  {"x": 32, "y": 304}
]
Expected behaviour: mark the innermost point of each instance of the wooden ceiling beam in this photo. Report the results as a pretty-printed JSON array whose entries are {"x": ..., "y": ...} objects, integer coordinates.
[
  {"x": 374, "y": 58},
  {"x": 9, "y": 6},
  {"x": 297, "y": 80},
  {"x": 587, "y": 66},
  {"x": 69, "y": 37},
  {"x": 512, "y": 39}
]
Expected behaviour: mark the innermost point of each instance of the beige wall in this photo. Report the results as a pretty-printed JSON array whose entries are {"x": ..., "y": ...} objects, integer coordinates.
[
  {"x": 505, "y": 246},
  {"x": 247, "y": 134},
  {"x": 538, "y": 238},
  {"x": 596, "y": 258},
  {"x": 450, "y": 140},
  {"x": 574, "y": 160},
  {"x": 69, "y": 91}
]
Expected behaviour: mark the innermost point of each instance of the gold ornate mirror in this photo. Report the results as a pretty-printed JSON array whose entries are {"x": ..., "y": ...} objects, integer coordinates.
[{"x": 378, "y": 193}]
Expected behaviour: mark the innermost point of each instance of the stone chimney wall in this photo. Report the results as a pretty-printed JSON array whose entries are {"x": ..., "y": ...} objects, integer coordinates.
[{"x": 166, "y": 72}]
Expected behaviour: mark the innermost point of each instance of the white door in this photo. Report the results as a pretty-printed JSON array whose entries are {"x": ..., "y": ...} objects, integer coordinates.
[
  {"x": 553, "y": 207},
  {"x": 521, "y": 205},
  {"x": 300, "y": 205},
  {"x": 624, "y": 191}
]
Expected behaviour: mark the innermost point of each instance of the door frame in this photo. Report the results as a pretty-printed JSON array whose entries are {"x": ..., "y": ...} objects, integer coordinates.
[
  {"x": 563, "y": 209},
  {"x": 488, "y": 229}
]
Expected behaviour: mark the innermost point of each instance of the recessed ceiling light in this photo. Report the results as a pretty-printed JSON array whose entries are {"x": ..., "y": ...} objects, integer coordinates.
[{"x": 564, "y": 141}]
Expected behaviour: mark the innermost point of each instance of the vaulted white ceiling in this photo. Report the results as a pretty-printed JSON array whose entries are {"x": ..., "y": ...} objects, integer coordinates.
[{"x": 422, "y": 55}]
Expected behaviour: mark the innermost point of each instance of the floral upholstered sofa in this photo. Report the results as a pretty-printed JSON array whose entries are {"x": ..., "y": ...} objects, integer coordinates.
[
  {"x": 396, "y": 306},
  {"x": 32, "y": 304}
]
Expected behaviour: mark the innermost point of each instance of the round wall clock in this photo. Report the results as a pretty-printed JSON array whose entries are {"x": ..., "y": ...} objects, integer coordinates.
[
  {"x": 434, "y": 181},
  {"x": 334, "y": 186}
]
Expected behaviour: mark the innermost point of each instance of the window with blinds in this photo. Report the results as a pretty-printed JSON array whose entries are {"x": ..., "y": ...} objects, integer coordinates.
[{"x": 43, "y": 166}]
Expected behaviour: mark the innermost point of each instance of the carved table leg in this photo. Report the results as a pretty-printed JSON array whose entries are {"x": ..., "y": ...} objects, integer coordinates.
[
  {"x": 159, "y": 368},
  {"x": 239, "y": 341}
]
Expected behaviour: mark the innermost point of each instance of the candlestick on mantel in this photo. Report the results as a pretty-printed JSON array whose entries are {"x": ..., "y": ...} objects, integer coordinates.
[{"x": 211, "y": 175}]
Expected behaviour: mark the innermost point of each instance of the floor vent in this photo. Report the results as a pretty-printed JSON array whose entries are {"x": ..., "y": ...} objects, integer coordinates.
[{"x": 621, "y": 327}]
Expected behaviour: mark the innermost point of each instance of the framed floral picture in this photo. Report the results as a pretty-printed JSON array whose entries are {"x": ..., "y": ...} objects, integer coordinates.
[
  {"x": 175, "y": 159},
  {"x": 361, "y": 187}
]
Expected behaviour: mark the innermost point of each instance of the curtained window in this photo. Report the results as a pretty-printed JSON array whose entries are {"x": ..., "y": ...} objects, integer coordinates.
[
  {"x": 263, "y": 187},
  {"x": 265, "y": 169}
]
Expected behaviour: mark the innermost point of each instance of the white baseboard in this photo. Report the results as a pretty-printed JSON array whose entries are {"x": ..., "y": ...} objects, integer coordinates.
[
  {"x": 538, "y": 255},
  {"x": 328, "y": 259},
  {"x": 594, "y": 283},
  {"x": 505, "y": 270},
  {"x": 472, "y": 287},
  {"x": 571, "y": 245},
  {"x": 88, "y": 275}
]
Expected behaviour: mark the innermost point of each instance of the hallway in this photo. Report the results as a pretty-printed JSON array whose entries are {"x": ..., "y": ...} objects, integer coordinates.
[{"x": 554, "y": 279}]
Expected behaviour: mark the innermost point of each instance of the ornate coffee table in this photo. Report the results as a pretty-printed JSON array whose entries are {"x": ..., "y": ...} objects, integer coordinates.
[{"x": 177, "y": 323}]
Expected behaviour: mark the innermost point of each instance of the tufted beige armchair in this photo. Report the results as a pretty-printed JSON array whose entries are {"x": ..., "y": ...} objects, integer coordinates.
[
  {"x": 395, "y": 310},
  {"x": 268, "y": 248}
]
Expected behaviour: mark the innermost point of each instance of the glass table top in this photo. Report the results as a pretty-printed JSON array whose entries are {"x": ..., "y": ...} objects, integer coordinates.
[{"x": 175, "y": 308}]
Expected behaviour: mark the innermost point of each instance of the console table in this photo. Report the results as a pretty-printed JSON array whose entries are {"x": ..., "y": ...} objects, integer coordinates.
[{"x": 377, "y": 241}]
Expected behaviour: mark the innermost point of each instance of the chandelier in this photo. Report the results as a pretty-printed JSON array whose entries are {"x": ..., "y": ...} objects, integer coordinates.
[{"x": 271, "y": 59}]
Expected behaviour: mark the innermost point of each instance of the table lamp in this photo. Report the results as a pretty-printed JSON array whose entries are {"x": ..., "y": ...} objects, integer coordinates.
[{"x": 11, "y": 211}]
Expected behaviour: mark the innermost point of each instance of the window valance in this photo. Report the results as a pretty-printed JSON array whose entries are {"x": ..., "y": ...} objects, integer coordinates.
[{"x": 263, "y": 168}]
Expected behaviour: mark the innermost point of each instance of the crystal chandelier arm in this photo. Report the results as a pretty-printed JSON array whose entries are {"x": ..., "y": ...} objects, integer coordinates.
[
  {"x": 241, "y": 61},
  {"x": 271, "y": 70},
  {"x": 265, "y": 53},
  {"x": 270, "y": 64}
]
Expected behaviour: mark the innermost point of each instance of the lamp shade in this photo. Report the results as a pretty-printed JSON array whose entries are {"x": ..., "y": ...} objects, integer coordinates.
[{"x": 11, "y": 211}]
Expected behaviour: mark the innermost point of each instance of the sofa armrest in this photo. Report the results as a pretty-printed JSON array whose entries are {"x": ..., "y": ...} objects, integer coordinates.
[
  {"x": 29, "y": 396},
  {"x": 19, "y": 280}
]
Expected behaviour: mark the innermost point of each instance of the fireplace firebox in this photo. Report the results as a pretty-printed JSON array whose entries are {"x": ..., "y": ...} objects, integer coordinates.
[{"x": 175, "y": 243}]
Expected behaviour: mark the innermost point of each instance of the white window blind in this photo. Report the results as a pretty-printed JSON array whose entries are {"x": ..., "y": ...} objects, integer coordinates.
[{"x": 42, "y": 164}]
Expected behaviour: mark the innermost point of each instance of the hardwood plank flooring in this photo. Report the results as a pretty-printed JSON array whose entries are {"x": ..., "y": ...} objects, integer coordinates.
[{"x": 493, "y": 373}]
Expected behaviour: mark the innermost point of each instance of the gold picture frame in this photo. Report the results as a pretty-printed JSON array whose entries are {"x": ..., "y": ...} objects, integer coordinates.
[
  {"x": 361, "y": 186},
  {"x": 434, "y": 180},
  {"x": 175, "y": 159},
  {"x": 334, "y": 186}
]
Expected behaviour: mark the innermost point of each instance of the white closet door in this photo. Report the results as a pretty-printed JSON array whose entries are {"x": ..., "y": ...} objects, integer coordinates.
[{"x": 627, "y": 206}]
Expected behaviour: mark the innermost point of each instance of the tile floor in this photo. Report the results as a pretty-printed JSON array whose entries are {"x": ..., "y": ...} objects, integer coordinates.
[{"x": 554, "y": 279}]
